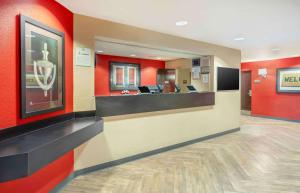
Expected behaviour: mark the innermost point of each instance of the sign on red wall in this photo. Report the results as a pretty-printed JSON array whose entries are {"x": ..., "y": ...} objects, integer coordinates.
[{"x": 266, "y": 101}]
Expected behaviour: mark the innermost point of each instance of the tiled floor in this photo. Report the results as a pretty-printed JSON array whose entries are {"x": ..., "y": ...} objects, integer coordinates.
[{"x": 264, "y": 157}]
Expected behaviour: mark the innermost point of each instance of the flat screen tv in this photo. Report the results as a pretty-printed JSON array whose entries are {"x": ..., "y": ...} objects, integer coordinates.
[{"x": 228, "y": 79}]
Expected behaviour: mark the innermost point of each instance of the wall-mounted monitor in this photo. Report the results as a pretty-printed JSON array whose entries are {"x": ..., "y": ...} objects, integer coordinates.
[{"x": 228, "y": 79}]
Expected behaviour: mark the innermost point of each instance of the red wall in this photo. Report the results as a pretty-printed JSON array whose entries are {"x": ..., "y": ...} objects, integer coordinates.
[
  {"x": 54, "y": 15},
  {"x": 46, "y": 11},
  {"x": 43, "y": 180},
  {"x": 148, "y": 72},
  {"x": 265, "y": 100}
]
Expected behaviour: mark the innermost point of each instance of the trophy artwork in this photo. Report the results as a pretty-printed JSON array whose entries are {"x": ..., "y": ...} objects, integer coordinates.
[{"x": 44, "y": 69}]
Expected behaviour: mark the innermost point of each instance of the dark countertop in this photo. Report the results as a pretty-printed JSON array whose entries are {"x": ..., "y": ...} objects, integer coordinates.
[
  {"x": 24, "y": 154},
  {"x": 155, "y": 94},
  {"x": 131, "y": 104}
]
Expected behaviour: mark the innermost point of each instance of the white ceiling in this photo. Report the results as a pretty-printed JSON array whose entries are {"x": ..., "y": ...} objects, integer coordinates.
[
  {"x": 266, "y": 24},
  {"x": 134, "y": 51}
]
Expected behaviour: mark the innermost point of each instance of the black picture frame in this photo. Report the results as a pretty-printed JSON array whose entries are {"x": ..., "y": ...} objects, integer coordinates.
[
  {"x": 112, "y": 87},
  {"x": 24, "y": 111},
  {"x": 278, "y": 88}
]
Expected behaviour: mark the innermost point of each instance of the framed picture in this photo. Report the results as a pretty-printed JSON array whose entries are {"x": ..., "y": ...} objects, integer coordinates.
[
  {"x": 42, "y": 68},
  {"x": 124, "y": 76},
  {"x": 288, "y": 80}
]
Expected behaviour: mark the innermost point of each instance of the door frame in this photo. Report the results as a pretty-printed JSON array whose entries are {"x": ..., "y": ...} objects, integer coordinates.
[{"x": 242, "y": 95}]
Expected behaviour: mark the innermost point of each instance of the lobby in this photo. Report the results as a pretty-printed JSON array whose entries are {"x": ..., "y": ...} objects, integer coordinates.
[{"x": 149, "y": 96}]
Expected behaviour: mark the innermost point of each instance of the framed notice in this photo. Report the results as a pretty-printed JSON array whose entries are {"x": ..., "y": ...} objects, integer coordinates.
[
  {"x": 124, "y": 76},
  {"x": 288, "y": 80},
  {"x": 42, "y": 68},
  {"x": 83, "y": 57}
]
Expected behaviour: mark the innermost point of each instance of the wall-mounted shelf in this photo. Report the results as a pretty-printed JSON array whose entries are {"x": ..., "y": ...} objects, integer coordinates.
[{"x": 26, "y": 153}]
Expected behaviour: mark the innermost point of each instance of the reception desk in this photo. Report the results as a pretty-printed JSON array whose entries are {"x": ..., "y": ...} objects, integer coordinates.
[
  {"x": 131, "y": 104},
  {"x": 189, "y": 118}
]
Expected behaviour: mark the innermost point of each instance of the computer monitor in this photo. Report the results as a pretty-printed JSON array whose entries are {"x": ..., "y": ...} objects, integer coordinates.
[
  {"x": 160, "y": 87},
  {"x": 191, "y": 88},
  {"x": 144, "y": 90},
  {"x": 153, "y": 88},
  {"x": 177, "y": 88}
]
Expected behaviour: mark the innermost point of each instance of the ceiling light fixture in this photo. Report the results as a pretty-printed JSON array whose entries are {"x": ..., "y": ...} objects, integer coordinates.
[
  {"x": 239, "y": 39},
  {"x": 99, "y": 51},
  {"x": 132, "y": 55},
  {"x": 181, "y": 23}
]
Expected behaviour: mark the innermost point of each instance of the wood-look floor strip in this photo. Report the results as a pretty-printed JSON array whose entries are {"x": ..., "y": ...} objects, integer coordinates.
[{"x": 264, "y": 157}]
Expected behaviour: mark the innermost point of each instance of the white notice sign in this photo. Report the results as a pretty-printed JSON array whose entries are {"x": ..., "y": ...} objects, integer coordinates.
[
  {"x": 196, "y": 72},
  {"x": 83, "y": 57},
  {"x": 205, "y": 78}
]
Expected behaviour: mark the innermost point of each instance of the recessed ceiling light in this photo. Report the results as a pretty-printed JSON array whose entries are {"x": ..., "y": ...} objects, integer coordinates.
[
  {"x": 99, "y": 51},
  {"x": 239, "y": 38},
  {"x": 132, "y": 55},
  {"x": 275, "y": 49},
  {"x": 181, "y": 23}
]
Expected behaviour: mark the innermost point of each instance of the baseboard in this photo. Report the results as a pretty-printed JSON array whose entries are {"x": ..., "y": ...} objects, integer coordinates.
[
  {"x": 244, "y": 112},
  {"x": 63, "y": 183},
  {"x": 276, "y": 118},
  {"x": 136, "y": 157}
]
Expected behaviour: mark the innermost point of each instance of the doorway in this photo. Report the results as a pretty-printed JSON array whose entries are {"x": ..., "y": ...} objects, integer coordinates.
[
  {"x": 246, "y": 93},
  {"x": 183, "y": 78}
]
